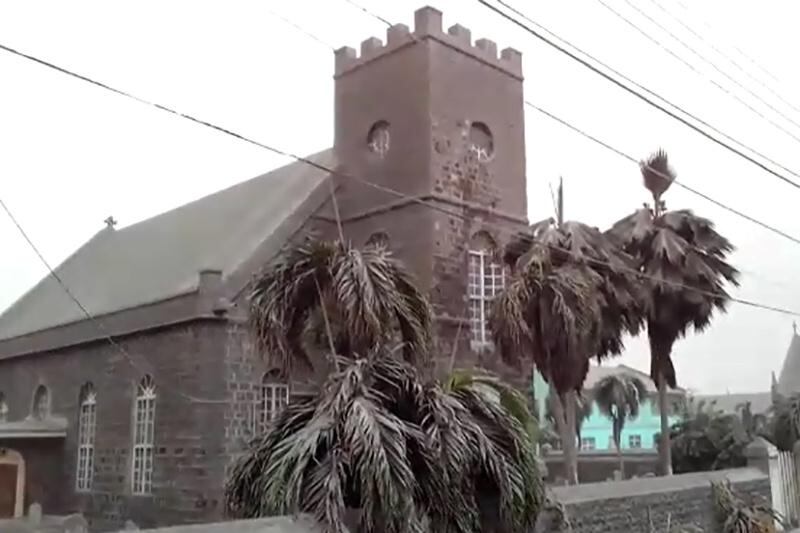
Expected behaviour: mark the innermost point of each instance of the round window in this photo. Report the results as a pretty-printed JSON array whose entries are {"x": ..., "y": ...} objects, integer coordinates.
[{"x": 378, "y": 138}]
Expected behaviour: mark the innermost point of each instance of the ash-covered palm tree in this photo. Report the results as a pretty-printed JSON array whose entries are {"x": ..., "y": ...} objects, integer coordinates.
[
  {"x": 404, "y": 454},
  {"x": 573, "y": 295},
  {"x": 619, "y": 397},
  {"x": 353, "y": 299},
  {"x": 684, "y": 262}
]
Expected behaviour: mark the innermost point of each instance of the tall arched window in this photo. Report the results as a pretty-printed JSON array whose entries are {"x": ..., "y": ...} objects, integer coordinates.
[
  {"x": 144, "y": 418},
  {"x": 3, "y": 408},
  {"x": 87, "y": 425},
  {"x": 485, "y": 279},
  {"x": 41, "y": 403},
  {"x": 272, "y": 398}
]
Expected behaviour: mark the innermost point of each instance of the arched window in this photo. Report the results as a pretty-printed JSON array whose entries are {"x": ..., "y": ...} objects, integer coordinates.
[
  {"x": 272, "y": 398},
  {"x": 3, "y": 408},
  {"x": 41, "y": 403},
  {"x": 485, "y": 279},
  {"x": 87, "y": 425},
  {"x": 144, "y": 418}
]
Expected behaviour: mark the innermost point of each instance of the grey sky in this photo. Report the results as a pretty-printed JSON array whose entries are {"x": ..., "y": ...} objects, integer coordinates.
[{"x": 72, "y": 154}]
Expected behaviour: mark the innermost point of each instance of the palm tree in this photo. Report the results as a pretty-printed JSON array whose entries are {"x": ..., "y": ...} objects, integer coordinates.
[
  {"x": 354, "y": 299},
  {"x": 406, "y": 455},
  {"x": 619, "y": 396},
  {"x": 683, "y": 260},
  {"x": 583, "y": 410},
  {"x": 786, "y": 422},
  {"x": 572, "y": 296}
]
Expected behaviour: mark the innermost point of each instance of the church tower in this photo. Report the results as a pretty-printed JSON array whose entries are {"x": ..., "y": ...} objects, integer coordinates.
[{"x": 434, "y": 123}]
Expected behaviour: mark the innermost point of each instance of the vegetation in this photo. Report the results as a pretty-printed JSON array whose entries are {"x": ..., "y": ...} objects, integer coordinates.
[
  {"x": 619, "y": 397},
  {"x": 683, "y": 262},
  {"x": 353, "y": 299},
  {"x": 784, "y": 427},
  {"x": 705, "y": 439},
  {"x": 380, "y": 440},
  {"x": 572, "y": 296}
]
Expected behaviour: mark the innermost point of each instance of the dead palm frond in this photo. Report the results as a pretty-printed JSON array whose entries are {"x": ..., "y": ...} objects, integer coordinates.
[
  {"x": 367, "y": 295},
  {"x": 404, "y": 453}
]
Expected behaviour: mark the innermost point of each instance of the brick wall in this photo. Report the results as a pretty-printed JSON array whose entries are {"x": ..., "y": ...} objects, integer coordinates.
[
  {"x": 189, "y": 458},
  {"x": 626, "y": 506}
]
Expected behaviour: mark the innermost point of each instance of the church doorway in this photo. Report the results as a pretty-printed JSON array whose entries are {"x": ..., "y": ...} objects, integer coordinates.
[{"x": 12, "y": 483}]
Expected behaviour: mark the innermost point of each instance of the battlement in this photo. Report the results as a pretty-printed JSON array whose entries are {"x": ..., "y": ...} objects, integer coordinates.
[{"x": 428, "y": 25}]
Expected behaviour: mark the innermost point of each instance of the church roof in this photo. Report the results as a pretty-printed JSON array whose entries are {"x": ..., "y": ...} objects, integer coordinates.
[
  {"x": 161, "y": 257},
  {"x": 598, "y": 372},
  {"x": 789, "y": 379}
]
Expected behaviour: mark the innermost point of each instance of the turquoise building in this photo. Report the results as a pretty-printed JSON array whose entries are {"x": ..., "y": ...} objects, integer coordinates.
[{"x": 596, "y": 430}]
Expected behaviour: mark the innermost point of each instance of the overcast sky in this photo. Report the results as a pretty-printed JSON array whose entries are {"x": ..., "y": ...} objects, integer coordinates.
[{"x": 72, "y": 154}]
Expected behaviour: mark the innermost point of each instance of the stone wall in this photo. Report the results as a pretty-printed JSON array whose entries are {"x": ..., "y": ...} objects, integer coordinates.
[
  {"x": 627, "y": 506},
  {"x": 189, "y": 463}
]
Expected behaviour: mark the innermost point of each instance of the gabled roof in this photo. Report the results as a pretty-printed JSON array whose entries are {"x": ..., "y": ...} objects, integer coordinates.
[
  {"x": 598, "y": 372},
  {"x": 161, "y": 257},
  {"x": 789, "y": 380}
]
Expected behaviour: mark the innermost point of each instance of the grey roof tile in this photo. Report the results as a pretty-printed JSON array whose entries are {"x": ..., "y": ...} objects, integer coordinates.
[
  {"x": 160, "y": 257},
  {"x": 789, "y": 379}
]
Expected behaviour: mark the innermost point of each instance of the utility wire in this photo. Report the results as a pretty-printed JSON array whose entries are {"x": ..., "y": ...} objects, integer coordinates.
[
  {"x": 622, "y": 85},
  {"x": 708, "y": 62},
  {"x": 699, "y": 72},
  {"x": 84, "y": 310},
  {"x": 721, "y": 53},
  {"x": 388, "y": 190},
  {"x": 752, "y": 61},
  {"x": 663, "y": 176},
  {"x": 634, "y": 160}
]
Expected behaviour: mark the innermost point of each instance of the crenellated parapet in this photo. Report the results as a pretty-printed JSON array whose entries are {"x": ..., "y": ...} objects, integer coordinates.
[{"x": 428, "y": 25}]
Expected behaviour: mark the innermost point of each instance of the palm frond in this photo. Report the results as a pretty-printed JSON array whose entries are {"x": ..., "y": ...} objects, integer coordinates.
[
  {"x": 368, "y": 295},
  {"x": 657, "y": 174},
  {"x": 455, "y": 456}
]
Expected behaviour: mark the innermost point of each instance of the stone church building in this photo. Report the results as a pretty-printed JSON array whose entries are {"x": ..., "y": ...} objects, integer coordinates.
[{"x": 128, "y": 383}]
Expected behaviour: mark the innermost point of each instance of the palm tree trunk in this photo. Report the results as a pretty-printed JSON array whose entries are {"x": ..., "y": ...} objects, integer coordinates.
[
  {"x": 621, "y": 460},
  {"x": 567, "y": 433},
  {"x": 664, "y": 445}
]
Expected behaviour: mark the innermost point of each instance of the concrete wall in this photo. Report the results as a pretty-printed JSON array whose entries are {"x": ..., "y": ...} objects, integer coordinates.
[
  {"x": 277, "y": 524},
  {"x": 626, "y": 506}
]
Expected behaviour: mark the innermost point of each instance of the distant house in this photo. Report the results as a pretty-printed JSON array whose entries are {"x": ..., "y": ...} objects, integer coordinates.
[
  {"x": 596, "y": 431},
  {"x": 136, "y": 411}
]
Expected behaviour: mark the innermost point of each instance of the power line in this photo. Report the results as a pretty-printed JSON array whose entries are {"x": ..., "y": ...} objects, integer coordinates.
[
  {"x": 752, "y": 61},
  {"x": 300, "y": 29},
  {"x": 697, "y": 71},
  {"x": 631, "y": 158},
  {"x": 82, "y": 307},
  {"x": 388, "y": 190},
  {"x": 663, "y": 176},
  {"x": 731, "y": 60},
  {"x": 642, "y": 97},
  {"x": 712, "y": 65}
]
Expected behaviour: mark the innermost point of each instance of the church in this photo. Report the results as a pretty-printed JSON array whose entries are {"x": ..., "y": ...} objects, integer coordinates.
[{"x": 128, "y": 381}]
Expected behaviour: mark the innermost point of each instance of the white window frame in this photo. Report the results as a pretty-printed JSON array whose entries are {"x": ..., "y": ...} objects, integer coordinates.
[
  {"x": 273, "y": 396},
  {"x": 635, "y": 438},
  {"x": 3, "y": 408},
  {"x": 87, "y": 428},
  {"x": 144, "y": 413},
  {"x": 588, "y": 443},
  {"x": 480, "y": 266}
]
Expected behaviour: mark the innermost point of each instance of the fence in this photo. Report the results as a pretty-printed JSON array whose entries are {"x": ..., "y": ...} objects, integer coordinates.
[{"x": 787, "y": 498}]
